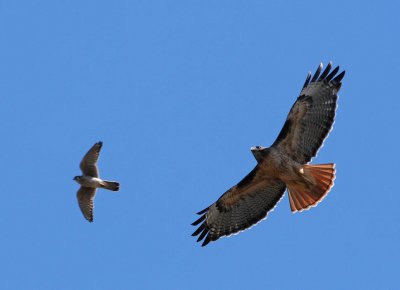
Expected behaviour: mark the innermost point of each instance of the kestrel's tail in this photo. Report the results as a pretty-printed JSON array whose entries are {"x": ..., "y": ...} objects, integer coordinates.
[
  {"x": 321, "y": 177},
  {"x": 111, "y": 185}
]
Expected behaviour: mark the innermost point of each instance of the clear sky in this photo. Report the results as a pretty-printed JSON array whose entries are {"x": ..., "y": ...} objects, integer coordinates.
[{"x": 179, "y": 91}]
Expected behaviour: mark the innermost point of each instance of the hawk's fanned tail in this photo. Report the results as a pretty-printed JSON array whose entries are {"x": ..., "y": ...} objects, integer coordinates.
[{"x": 322, "y": 176}]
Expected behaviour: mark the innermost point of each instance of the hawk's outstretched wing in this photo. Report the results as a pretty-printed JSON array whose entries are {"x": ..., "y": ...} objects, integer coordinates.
[
  {"x": 307, "y": 125},
  {"x": 89, "y": 162},
  {"x": 85, "y": 198},
  {"x": 240, "y": 207},
  {"x": 311, "y": 117}
]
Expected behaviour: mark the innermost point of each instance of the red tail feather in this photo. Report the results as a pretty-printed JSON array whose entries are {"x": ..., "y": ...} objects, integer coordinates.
[{"x": 321, "y": 177}]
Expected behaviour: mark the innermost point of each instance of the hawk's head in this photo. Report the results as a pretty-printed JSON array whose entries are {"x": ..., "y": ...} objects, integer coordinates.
[
  {"x": 259, "y": 152},
  {"x": 77, "y": 178}
]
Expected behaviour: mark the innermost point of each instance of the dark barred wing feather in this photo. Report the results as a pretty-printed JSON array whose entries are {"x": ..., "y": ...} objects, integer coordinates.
[
  {"x": 241, "y": 207},
  {"x": 312, "y": 115}
]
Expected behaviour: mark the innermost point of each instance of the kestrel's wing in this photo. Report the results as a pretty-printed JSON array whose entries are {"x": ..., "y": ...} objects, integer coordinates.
[
  {"x": 85, "y": 198},
  {"x": 89, "y": 162},
  {"x": 311, "y": 118},
  {"x": 240, "y": 207}
]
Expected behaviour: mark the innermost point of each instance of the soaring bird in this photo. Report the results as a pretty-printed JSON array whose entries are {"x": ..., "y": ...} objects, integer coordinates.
[
  {"x": 284, "y": 165},
  {"x": 90, "y": 181}
]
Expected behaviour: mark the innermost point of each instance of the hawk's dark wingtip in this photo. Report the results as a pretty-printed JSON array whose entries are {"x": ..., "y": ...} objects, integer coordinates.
[
  {"x": 326, "y": 71},
  {"x": 339, "y": 77},
  {"x": 100, "y": 143},
  {"x": 317, "y": 72},
  {"x": 203, "y": 211},
  {"x": 332, "y": 74},
  {"x": 327, "y": 75},
  {"x": 199, "y": 230},
  {"x": 203, "y": 230},
  {"x": 307, "y": 80},
  {"x": 206, "y": 241},
  {"x": 202, "y": 218},
  {"x": 203, "y": 234}
]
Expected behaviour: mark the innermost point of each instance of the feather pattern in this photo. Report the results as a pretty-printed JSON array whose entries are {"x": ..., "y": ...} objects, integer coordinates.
[
  {"x": 311, "y": 117},
  {"x": 239, "y": 208},
  {"x": 85, "y": 196},
  {"x": 89, "y": 162}
]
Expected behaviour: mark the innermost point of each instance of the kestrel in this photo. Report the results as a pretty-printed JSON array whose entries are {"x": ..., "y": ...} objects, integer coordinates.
[
  {"x": 90, "y": 181},
  {"x": 282, "y": 166}
]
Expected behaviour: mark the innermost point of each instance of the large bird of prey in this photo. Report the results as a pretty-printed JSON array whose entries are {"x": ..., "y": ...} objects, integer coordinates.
[
  {"x": 90, "y": 181},
  {"x": 282, "y": 166}
]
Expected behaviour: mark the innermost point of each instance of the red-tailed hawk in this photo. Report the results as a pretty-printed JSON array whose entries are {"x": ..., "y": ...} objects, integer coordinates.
[{"x": 283, "y": 165}]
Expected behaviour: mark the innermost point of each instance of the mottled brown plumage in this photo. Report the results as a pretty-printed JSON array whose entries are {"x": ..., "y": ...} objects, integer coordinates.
[{"x": 283, "y": 165}]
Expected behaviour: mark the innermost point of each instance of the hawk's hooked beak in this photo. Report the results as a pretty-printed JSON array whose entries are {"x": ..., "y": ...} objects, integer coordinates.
[{"x": 255, "y": 149}]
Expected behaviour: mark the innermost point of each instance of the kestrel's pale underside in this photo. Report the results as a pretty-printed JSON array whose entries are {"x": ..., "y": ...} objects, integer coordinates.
[{"x": 90, "y": 181}]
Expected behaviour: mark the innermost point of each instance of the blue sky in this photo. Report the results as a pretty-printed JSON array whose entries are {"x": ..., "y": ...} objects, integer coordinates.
[{"x": 179, "y": 91}]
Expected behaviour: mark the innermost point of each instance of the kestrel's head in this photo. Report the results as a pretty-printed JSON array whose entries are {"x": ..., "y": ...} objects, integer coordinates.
[
  {"x": 77, "y": 178},
  {"x": 258, "y": 152}
]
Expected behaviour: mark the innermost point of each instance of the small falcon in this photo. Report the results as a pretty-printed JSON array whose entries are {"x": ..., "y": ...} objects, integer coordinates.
[
  {"x": 90, "y": 181},
  {"x": 284, "y": 165}
]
